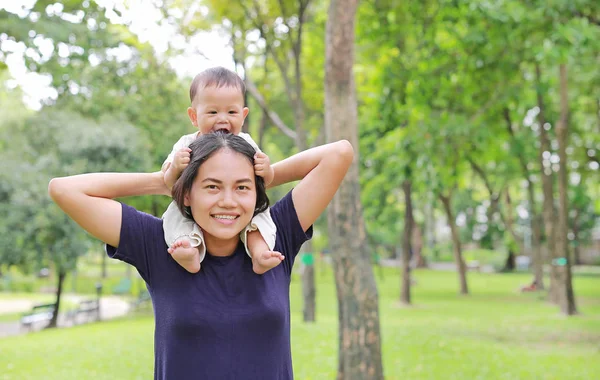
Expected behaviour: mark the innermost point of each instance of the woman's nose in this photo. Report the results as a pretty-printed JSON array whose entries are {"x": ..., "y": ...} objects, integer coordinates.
[{"x": 227, "y": 200}]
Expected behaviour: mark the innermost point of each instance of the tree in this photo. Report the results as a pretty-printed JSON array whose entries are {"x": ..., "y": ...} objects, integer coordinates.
[
  {"x": 563, "y": 286},
  {"x": 358, "y": 307},
  {"x": 67, "y": 144}
]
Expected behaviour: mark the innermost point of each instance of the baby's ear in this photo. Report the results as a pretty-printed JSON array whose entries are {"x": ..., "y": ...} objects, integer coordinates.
[{"x": 193, "y": 116}]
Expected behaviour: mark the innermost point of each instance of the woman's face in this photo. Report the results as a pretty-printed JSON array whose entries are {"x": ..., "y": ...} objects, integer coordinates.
[{"x": 223, "y": 196}]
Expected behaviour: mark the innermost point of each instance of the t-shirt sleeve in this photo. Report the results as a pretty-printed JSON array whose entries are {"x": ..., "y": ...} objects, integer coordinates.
[
  {"x": 290, "y": 235},
  {"x": 141, "y": 234}
]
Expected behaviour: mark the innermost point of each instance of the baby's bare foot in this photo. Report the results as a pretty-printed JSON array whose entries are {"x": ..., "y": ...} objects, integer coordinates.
[
  {"x": 186, "y": 255},
  {"x": 262, "y": 262}
]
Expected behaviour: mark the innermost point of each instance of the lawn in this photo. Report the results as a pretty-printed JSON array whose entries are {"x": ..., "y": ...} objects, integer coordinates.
[{"x": 495, "y": 333}]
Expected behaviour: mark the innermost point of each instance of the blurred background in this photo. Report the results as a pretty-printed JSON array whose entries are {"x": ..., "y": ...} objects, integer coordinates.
[{"x": 478, "y": 140}]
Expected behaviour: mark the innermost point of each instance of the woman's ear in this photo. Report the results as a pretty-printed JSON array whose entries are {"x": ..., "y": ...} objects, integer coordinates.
[{"x": 186, "y": 200}]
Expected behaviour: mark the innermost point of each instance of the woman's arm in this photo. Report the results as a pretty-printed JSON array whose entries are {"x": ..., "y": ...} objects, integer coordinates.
[
  {"x": 321, "y": 170},
  {"x": 88, "y": 199}
]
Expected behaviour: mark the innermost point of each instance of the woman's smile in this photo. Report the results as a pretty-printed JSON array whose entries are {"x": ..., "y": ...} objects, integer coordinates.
[{"x": 226, "y": 219}]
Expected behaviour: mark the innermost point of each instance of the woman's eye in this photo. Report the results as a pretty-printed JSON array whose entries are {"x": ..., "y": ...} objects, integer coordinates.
[
  {"x": 242, "y": 187},
  {"x": 211, "y": 187}
]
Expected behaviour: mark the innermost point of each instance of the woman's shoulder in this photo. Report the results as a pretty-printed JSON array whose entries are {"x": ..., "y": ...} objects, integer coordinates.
[
  {"x": 287, "y": 223},
  {"x": 283, "y": 211}
]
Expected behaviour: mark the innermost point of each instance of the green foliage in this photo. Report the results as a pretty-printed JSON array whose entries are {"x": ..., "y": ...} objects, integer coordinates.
[
  {"x": 60, "y": 143},
  {"x": 446, "y": 90}
]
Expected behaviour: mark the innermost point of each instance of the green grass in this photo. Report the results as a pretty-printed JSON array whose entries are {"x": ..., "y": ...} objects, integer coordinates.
[
  {"x": 83, "y": 281},
  {"x": 494, "y": 333}
]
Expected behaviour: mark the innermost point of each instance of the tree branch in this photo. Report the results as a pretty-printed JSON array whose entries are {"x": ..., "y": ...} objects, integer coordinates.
[
  {"x": 479, "y": 170},
  {"x": 275, "y": 119},
  {"x": 282, "y": 65}
]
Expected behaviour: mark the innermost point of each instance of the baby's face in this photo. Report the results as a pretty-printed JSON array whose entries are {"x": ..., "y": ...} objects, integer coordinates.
[{"x": 219, "y": 109}]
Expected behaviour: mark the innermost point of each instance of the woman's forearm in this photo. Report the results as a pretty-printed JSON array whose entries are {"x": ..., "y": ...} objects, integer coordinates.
[
  {"x": 296, "y": 167},
  {"x": 109, "y": 185},
  {"x": 88, "y": 199}
]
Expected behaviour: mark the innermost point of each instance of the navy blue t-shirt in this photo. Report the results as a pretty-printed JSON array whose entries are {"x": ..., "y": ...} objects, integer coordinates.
[{"x": 225, "y": 322}]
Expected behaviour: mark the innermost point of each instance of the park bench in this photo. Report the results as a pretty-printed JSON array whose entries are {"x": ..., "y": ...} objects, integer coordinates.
[
  {"x": 123, "y": 287},
  {"x": 39, "y": 313},
  {"x": 89, "y": 309},
  {"x": 473, "y": 266}
]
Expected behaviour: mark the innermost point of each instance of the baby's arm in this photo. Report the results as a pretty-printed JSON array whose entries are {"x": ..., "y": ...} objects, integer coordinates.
[
  {"x": 181, "y": 160},
  {"x": 262, "y": 163}
]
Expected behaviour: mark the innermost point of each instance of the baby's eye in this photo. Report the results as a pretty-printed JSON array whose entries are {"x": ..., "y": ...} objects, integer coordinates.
[
  {"x": 212, "y": 112},
  {"x": 232, "y": 112}
]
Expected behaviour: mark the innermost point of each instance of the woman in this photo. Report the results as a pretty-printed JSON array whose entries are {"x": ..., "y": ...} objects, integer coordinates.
[{"x": 226, "y": 322}]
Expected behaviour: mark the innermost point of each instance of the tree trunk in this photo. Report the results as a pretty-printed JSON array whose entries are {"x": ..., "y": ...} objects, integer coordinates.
[
  {"x": 458, "y": 259},
  {"x": 563, "y": 286},
  {"x": 308, "y": 284},
  {"x": 309, "y": 293},
  {"x": 430, "y": 225},
  {"x": 491, "y": 212},
  {"x": 548, "y": 188},
  {"x": 406, "y": 242},
  {"x": 262, "y": 128},
  {"x": 104, "y": 264},
  {"x": 509, "y": 264},
  {"x": 417, "y": 247},
  {"x": 155, "y": 210},
  {"x": 576, "y": 248},
  {"x": 359, "y": 352},
  {"x": 536, "y": 239},
  {"x": 509, "y": 221},
  {"x": 61, "y": 278},
  {"x": 308, "y": 276},
  {"x": 535, "y": 220},
  {"x": 494, "y": 200}
]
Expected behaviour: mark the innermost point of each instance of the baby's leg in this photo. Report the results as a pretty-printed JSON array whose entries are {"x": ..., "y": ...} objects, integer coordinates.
[
  {"x": 259, "y": 238},
  {"x": 186, "y": 255},
  {"x": 263, "y": 258},
  {"x": 184, "y": 239}
]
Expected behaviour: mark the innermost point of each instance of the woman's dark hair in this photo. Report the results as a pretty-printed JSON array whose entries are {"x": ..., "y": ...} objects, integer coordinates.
[{"x": 202, "y": 149}]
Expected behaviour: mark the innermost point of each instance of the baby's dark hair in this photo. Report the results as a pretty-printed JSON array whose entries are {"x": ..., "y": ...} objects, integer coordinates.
[
  {"x": 204, "y": 147},
  {"x": 217, "y": 77}
]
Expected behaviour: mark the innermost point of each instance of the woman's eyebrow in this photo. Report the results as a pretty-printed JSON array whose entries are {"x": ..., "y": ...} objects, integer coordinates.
[
  {"x": 212, "y": 180},
  {"x": 242, "y": 180}
]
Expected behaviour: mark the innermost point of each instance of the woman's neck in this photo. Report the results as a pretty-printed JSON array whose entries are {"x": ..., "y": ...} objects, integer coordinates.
[{"x": 220, "y": 247}]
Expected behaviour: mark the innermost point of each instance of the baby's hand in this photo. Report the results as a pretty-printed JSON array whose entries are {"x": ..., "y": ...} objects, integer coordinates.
[
  {"x": 262, "y": 167},
  {"x": 181, "y": 159}
]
